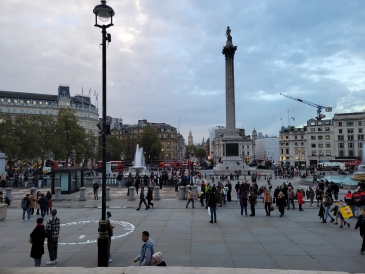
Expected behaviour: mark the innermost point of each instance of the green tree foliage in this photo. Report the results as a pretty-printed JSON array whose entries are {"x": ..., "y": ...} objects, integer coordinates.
[
  {"x": 151, "y": 144},
  {"x": 90, "y": 151},
  {"x": 191, "y": 149},
  {"x": 115, "y": 148},
  {"x": 129, "y": 145},
  {"x": 70, "y": 136},
  {"x": 201, "y": 153}
]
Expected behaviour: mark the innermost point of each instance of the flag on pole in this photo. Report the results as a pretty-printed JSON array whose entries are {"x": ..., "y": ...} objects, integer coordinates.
[
  {"x": 82, "y": 97},
  {"x": 89, "y": 92},
  {"x": 95, "y": 93},
  {"x": 281, "y": 119}
]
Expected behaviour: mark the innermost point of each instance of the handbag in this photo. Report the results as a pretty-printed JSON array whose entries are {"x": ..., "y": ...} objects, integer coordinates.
[
  {"x": 346, "y": 212},
  {"x": 271, "y": 208},
  {"x": 30, "y": 240}
]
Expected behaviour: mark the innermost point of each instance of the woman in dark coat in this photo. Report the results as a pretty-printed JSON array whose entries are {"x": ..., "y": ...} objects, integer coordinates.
[
  {"x": 149, "y": 197},
  {"x": 281, "y": 203},
  {"x": 38, "y": 236},
  {"x": 49, "y": 198}
]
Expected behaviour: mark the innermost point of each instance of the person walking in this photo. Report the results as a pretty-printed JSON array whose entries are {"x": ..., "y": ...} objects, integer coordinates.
[
  {"x": 96, "y": 187},
  {"x": 341, "y": 204},
  {"x": 300, "y": 198},
  {"x": 361, "y": 223},
  {"x": 212, "y": 204},
  {"x": 290, "y": 195},
  {"x": 37, "y": 205},
  {"x": 310, "y": 195},
  {"x": 228, "y": 184},
  {"x": 142, "y": 199},
  {"x": 147, "y": 250},
  {"x": 190, "y": 197},
  {"x": 267, "y": 200},
  {"x": 149, "y": 196},
  {"x": 327, "y": 202},
  {"x": 243, "y": 202},
  {"x": 281, "y": 203},
  {"x": 43, "y": 203},
  {"x": 37, "y": 240},
  {"x": 25, "y": 206},
  {"x": 49, "y": 198},
  {"x": 253, "y": 201},
  {"x": 53, "y": 231},
  {"x": 119, "y": 179},
  {"x": 32, "y": 205},
  {"x": 319, "y": 196},
  {"x": 157, "y": 259}
]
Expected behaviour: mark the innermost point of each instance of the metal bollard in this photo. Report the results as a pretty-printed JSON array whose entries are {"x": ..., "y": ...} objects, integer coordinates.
[
  {"x": 33, "y": 190},
  {"x": 195, "y": 191},
  {"x": 82, "y": 194}
]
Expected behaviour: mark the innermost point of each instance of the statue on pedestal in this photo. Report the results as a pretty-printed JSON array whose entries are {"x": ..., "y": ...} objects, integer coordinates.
[{"x": 228, "y": 34}]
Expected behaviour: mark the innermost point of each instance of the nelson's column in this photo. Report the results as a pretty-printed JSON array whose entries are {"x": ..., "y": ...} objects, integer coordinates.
[{"x": 231, "y": 140}]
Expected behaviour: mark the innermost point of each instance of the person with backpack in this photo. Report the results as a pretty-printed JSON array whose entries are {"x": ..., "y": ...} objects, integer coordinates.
[
  {"x": 327, "y": 202},
  {"x": 25, "y": 206},
  {"x": 52, "y": 233}
]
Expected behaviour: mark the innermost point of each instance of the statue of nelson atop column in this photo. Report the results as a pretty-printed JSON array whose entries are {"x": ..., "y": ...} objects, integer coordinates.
[{"x": 228, "y": 34}]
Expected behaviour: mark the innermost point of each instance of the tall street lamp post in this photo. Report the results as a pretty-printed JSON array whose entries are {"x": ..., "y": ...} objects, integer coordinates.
[{"x": 104, "y": 13}]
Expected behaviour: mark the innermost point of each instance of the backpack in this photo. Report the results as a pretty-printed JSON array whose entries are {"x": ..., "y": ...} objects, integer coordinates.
[
  {"x": 24, "y": 203},
  {"x": 330, "y": 200}
]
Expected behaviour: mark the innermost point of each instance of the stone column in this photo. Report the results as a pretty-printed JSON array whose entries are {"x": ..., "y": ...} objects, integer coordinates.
[
  {"x": 57, "y": 191},
  {"x": 82, "y": 194},
  {"x": 181, "y": 193},
  {"x": 8, "y": 193},
  {"x": 107, "y": 193},
  {"x": 157, "y": 193},
  {"x": 131, "y": 193}
]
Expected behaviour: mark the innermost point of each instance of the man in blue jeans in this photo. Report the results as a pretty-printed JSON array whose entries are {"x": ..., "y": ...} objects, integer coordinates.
[
  {"x": 25, "y": 206},
  {"x": 327, "y": 202}
]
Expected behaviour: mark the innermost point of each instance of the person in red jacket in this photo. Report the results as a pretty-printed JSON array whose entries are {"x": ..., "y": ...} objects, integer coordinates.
[{"x": 300, "y": 200}]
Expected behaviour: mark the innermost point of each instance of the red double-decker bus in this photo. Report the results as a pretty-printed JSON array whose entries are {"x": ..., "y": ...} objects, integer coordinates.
[{"x": 116, "y": 166}]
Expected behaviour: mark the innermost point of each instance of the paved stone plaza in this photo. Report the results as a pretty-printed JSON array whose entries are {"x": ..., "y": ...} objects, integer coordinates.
[{"x": 186, "y": 238}]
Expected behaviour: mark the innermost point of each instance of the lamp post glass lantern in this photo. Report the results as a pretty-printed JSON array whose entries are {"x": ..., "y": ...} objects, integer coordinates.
[{"x": 104, "y": 13}]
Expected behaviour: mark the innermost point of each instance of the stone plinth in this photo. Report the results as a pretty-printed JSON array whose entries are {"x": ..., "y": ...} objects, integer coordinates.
[
  {"x": 57, "y": 191},
  {"x": 8, "y": 193},
  {"x": 181, "y": 193},
  {"x": 107, "y": 193}
]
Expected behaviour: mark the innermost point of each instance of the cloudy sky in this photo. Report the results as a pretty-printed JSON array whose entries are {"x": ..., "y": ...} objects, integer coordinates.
[{"x": 165, "y": 61}]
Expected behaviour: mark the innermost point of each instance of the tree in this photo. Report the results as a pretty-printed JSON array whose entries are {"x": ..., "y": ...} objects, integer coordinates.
[
  {"x": 17, "y": 138},
  {"x": 115, "y": 147},
  {"x": 91, "y": 142},
  {"x": 151, "y": 144},
  {"x": 129, "y": 145},
  {"x": 70, "y": 136},
  {"x": 191, "y": 149},
  {"x": 201, "y": 153}
]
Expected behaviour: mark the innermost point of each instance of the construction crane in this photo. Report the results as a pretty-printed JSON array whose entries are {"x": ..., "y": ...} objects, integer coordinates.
[{"x": 320, "y": 116}]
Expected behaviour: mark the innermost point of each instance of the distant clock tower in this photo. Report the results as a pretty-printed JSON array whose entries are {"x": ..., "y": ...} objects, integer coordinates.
[{"x": 190, "y": 139}]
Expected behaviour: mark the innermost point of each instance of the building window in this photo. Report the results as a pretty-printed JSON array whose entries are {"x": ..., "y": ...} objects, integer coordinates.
[
  {"x": 340, "y": 138},
  {"x": 313, "y": 145},
  {"x": 22, "y": 111},
  {"x": 320, "y": 129},
  {"x": 328, "y": 153},
  {"x": 327, "y": 137},
  {"x": 319, "y": 123},
  {"x": 340, "y": 131},
  {"x": 340, "y": 124},
  {"x": 320, "y": 137},
  {"x": 313, "y": 123},
  {"x": 320, "y": 153},
  {"x": 360, "y": 130},
  {"x": 350, "y": 145},
  {"x": 326, "y": 129},
  {"x": 350, "y": 137},
  {"x": 313, "y": 129},
  {"x": 349, "y": 124},
  {"x": 302, "y": 137},
  {"x": 248, "y": 147},
  {"x": 328, "y": 144},
  {"x": 359, "y": 144},
  {"x": 327, "y": 122},
  {"x": 360, "y": 137},
  {"x": 320, "y": 145},
  {"x": 359, "y": 123},
  {"x": 14, "y": 110},
  {"x": 313, "y": 137},
  {"x": 287, "y": 151},
  {"x": 351, "y": 153},
  {"x": 295, "y": 137},
  {"x": 313, "y": 153},
  {"x": 350, "y": 130},
  {"x": 34, "y": 102},
  {"x": 340, "y": 153},
  {"x": 360, "y": 153},
  {"x": 340, "y": 145},
  {"x": 286, "y": 144},
  {"x": 286, "y": 137}
]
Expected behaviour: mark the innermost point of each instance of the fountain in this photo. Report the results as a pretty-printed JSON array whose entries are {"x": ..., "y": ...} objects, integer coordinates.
[
  {"x": 138, "y": 166},
  {"x": 359, "y": 174}
]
